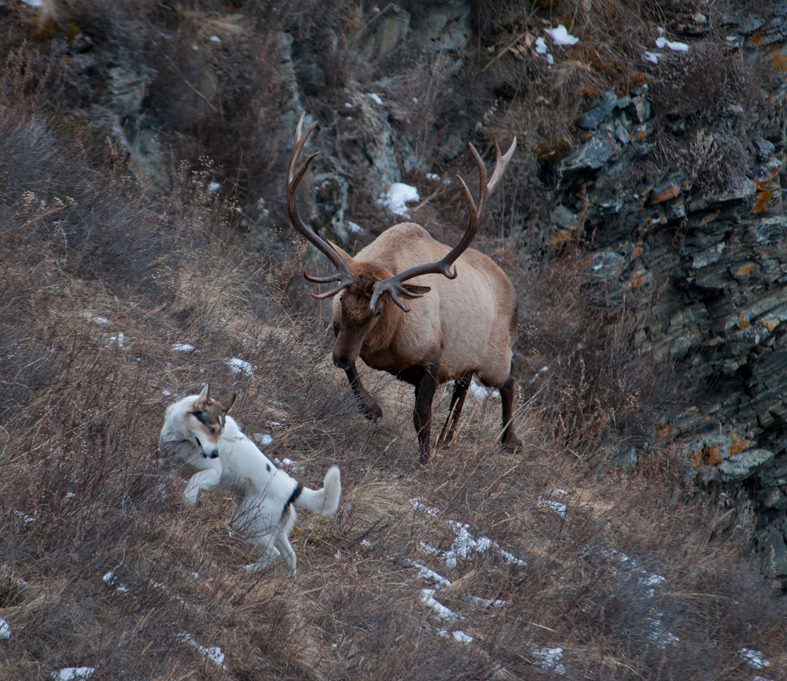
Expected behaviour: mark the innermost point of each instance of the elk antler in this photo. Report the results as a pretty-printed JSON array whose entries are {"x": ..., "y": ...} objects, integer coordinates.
[
  {"x": 343, "y": 274},
  {"x": 393, "y": 285}
]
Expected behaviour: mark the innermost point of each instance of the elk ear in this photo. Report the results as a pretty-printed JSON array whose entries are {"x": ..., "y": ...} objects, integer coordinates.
[
  {"x": 226, "y": 406},
  {"x": 348, "y": 259},
  {"x": 415, "y": 291}
]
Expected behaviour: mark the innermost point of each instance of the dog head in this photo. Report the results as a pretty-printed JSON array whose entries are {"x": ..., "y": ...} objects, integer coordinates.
[{"x": 205, "y": 420}]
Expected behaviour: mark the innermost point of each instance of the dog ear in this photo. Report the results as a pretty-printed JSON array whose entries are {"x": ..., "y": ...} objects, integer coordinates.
[
  {"x": 203, "y": 396},
  {"x": 227, "y": 405}
]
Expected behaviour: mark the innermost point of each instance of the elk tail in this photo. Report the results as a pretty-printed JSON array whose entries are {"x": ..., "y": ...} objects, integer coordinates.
[{"x": 324, "y": 501}]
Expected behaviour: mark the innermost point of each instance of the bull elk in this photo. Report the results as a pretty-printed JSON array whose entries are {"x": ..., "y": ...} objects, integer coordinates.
[{"x": 466, "y": 326}]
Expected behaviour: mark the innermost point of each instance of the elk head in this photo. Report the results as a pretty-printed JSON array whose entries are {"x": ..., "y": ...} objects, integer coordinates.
[{"x": 371, "y": 303}]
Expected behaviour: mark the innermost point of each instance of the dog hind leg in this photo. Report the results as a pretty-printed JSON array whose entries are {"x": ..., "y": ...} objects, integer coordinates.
[
  {"x": 282, "y": 542},
  {"x": 270, "y": 554}
]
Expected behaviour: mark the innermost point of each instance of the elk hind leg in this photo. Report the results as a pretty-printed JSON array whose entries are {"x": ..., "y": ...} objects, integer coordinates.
[
  {"x": 508, "y": 438},
  {"x": 457, "y": 402}
]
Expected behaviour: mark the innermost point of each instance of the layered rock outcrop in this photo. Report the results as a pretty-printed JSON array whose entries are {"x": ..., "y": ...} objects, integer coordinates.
[{"x": 705, "y": 271}]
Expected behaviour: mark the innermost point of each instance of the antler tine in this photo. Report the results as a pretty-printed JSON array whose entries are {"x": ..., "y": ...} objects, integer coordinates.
[
  {"x": 293, "y": 181},
  {"x": 393, "y": 285},
  {"x": 331, "y": 292},
  {"x": 501, "y": 163},
  {"x": 321, "y": 280}
]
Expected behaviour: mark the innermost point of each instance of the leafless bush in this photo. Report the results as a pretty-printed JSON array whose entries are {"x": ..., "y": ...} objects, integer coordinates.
[{"x": 706, "y": 85}]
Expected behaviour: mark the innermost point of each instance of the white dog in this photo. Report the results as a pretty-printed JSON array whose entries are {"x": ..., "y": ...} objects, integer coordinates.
[{"x": 198, "y": 434}]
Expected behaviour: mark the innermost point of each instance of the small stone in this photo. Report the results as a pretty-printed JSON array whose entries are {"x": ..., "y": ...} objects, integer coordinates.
[
  {"x": 775, "y": 550},
  {"x": 563, "y": 218},
  {"x": 744, "y": 465},
  {"x": 775, "y": 499},
  {"x": 640, "y": 109},
  {"x": 599, "y": 111},
  {"x": 667, "y": 190},
  {"x": 590, "y": 156}
]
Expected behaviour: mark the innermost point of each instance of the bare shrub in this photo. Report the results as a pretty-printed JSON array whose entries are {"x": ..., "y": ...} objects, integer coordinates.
[{"x": 705, "y": 85}]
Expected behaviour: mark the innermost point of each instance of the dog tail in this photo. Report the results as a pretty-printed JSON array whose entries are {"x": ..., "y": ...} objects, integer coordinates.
[{"x": 324, "y": 501}]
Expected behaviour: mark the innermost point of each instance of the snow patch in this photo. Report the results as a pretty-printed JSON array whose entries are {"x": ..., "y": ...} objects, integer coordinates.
[
  {"x": 480, "y": 392},
  {"x": 5, "y": 629},
  {"x": 213, "y": 653},
  {"x": 96, "y": 319},
  {"x": 549, "y": 659},
  {"x": 354, "y": 227},
  {"x": 652, "y": 57},
  {"x": 215, "y": 39},
  {"x": 541, "y": 48},
  {"x": 754, "y": 658},
  {"x": 34, "y": 3},
  {"x": 117, "y": 340},
  {"x": 419, "y": 505},
  {"x": 240, "y": 366},
  {"x": 432, "y": 177},
  {"x": 488, "y": 602},
  {"x": 459, "y": 636},
  {"x": 427, "y": 597},
  {"x": 263, "y": 439},
  {"x": 183, "y": 347},
  {"x": 213, "y": 187},
  {"x": 110, "y": 579},
  {"x": 427, "y": 573},
  {"x": 397, "y": 197},
  {"x": 72, "y": 673},
  {"x": 374, "y": 97},
  {"x": 561, "y": 36},
  {"x": 660, "y": 636},
  {"x": 675, "y": 46},
  {"x": 289, "y": 464},
  {"x": 558, "y": 507},
  {"x": 24, "y": 517}
]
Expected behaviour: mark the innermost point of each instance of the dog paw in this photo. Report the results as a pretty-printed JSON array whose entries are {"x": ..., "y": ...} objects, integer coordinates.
[
  {"x": 253, "y": 568},
  {"x": 189, "y": 499}
]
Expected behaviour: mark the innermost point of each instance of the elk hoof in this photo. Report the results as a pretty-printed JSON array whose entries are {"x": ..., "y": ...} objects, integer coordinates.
[
  {"x": 372, "y": 412},
  {"x": 512, "y": 444}
]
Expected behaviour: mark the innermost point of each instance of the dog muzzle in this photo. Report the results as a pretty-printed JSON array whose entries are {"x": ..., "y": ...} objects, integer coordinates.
[{"x": 214, "y": 453}]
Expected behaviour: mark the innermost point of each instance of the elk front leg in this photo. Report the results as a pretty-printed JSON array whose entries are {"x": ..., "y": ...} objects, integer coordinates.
[
  {"x": 425, "y": 388},
  {"x": 366, "y": 403},
  {"x": 508, "y": 438},
  {"x": 457, "y": 402}
]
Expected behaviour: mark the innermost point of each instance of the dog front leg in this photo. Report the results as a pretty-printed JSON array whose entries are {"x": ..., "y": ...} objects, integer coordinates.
[{"x": 202, "y": 481}]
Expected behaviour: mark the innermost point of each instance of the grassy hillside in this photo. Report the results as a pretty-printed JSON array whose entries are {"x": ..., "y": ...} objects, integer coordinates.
[{"x": 547, "y": 563}]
